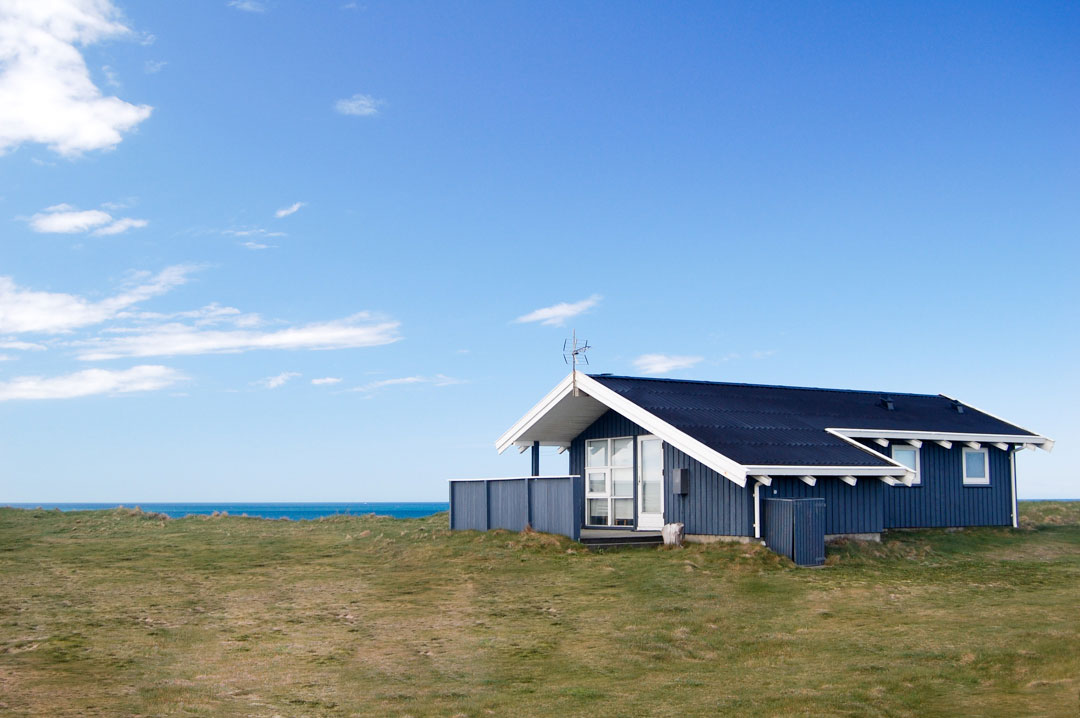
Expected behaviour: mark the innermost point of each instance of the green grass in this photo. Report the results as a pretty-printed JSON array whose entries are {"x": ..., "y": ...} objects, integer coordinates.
[{"x": 121, "y": 613}]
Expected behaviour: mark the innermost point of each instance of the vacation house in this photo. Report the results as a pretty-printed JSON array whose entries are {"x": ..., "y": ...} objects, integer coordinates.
[{"x": 644, "y": 453}]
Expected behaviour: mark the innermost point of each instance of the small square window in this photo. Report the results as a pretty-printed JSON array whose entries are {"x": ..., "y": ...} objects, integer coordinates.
[
  {"x": 908, "y": 456},
  {"x": 976, "y": 467}
]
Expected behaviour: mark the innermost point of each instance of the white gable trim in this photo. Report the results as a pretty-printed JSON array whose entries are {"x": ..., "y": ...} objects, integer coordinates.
[
  {"x": 561, "y": 390},
  {"x": 656, "y": 426}
]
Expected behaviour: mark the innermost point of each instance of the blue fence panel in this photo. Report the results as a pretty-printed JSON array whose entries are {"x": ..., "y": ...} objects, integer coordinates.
[
  {"x": 546, "y": 503},
  {"x": 795, "y": 528}
]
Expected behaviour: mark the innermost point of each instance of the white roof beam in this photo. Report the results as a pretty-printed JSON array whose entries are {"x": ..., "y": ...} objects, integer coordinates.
[
  {"x": 973, "y": 444},
  {"x": 1002, "y": 446},
  {"x": 881, "y": 442},
  {"x": 849, "y": 480},
  {"x": 763, "y": 480},
  {"x": 944, "y": 444},
  {"x": 917, "y": 443},
  {"x": 889, "y": 480},
  {"x": 808, "y": 480}
]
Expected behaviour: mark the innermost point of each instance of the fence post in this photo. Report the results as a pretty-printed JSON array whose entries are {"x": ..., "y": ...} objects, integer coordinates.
[
  {"x": 529, "y": 502},
  {"x": 487, "y": 505}
]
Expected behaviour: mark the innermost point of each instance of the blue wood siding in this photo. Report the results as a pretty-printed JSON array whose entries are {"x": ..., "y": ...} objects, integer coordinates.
[
  {"x": 713, "y": 505},
  {"x": 848, "y": 509},
  {"x": 942, "y": 499},
  {"x": 508, "y": 504}
]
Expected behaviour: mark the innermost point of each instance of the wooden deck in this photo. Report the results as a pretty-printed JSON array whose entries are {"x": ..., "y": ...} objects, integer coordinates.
[{"x": 602, "y": 538}]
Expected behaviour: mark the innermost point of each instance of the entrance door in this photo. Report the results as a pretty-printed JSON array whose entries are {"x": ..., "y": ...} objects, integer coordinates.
[{"x": 650, "y": 484}]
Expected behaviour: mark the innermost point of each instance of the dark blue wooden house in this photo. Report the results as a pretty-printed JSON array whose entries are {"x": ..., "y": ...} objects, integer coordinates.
[{"x": 648, "y": 452}]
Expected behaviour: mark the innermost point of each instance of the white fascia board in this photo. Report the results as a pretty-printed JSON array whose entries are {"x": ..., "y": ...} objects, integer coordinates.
[
  {"x": 877, "y": 454},
  {"x": 1047, "y": 443},
  {"x": 731, "y": 470},
  {"x": 1040, "y": 441},
  {"x": 534, "y": 415},
  {"x": 777, "y": 470}
]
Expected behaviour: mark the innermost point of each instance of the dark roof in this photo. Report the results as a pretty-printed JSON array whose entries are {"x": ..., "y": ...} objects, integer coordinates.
[{"x": 757, "y": 424}]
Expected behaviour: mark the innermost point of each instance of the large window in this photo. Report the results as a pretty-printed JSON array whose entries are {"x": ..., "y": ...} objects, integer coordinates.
[
  {"x": 609, "y": 482},
  {"x": 976, "y": 467},
  {"x": 908, "y": 455}
]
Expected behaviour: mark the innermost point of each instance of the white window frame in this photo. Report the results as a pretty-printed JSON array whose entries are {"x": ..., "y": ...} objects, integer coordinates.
[
  {"x": 609, "y": 481},
  {"x": 976, "y": 481},
  {"x": 917, "y": 481}
]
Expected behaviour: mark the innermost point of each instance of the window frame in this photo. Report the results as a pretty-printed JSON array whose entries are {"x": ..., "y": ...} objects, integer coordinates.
[
  {"x": 976, "y": 481},
  {"x": 918, "y": 460},
  {"x": 609, "y": 482}
]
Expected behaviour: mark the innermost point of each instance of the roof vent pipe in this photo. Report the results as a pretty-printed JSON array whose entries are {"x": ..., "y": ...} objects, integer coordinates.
[
  {"x": 887, "y": 402},
  {"x": 958, "y": 406}
]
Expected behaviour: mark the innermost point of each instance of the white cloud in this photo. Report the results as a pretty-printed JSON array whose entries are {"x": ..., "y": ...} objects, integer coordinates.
[
  {"x": 46, "y": 94},
  {"x": 437, "y": 380},
  {"x": 247, "y": 5},
  {"x": 120, "y": 226},
  {"x": 152, "y": 67},
  {"x": 358, "y": 330},
  {"x": 556, "y": 315},
  {"x": 66, "y": 219},
  {"x": 22, "y": 346},
  {"x": 326, "y": 380},
  {"x": 273, "y": 382},
  {"x": 24, "y": 310},
  {"x": 291, "y": 209},
  {"x": 663, "y": 363},
  {"x": 359, "y": 105},
  {"x": 90, "y": 382},
  {"x": 252, "y": 244}
]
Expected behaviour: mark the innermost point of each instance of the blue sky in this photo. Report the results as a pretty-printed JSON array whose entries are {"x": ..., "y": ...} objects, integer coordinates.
[{"x": 302, "y": 251}]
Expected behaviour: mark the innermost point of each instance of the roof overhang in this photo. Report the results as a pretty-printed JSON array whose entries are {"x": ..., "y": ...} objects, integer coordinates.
[
  {"x": 1041, "y": 442},
  {"x": 561, "y": 416}
]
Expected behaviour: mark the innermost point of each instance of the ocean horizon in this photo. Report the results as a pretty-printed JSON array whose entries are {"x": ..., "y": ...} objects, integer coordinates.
[{"x": 296, "y": 510}]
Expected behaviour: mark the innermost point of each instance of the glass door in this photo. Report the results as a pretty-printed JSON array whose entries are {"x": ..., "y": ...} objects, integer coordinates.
[
  {"x": 609, "y": 482},
  {"x": 650, "y": 483}
]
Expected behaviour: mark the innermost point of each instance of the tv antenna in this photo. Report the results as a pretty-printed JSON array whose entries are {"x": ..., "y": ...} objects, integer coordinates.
[{"x": 574, "y": 353}]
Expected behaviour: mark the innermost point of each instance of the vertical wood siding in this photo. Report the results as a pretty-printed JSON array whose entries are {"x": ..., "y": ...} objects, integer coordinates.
[
  {"x": 943, "y": 500},
  {"x": 795, "y": 528},
  {"x": 713, "y": 505},
  {"x": 848, "y": 509}
]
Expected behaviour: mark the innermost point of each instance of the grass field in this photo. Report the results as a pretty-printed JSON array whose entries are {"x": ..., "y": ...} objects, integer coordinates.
[{"x": 120, "y": 613}]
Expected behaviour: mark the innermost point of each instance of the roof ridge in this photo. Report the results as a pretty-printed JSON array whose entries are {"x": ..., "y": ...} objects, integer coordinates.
[{"x": 600, "y": 377}]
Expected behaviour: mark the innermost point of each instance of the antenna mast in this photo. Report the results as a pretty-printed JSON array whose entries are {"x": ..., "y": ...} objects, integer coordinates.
[{"x": 572, "y": 354}]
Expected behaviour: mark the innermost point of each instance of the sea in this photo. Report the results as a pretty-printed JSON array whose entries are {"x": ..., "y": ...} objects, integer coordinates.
[{"x": 293, "y": 511}]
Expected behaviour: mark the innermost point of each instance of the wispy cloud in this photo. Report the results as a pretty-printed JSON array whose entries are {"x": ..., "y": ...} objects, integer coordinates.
[
  {"x": 663, "y": 363},
  {"x": 90, "y": 382},
  {"x": 24, "y": 310},
  {"x": 557, "y": 314},
  {"x": 247, "y": 5},
  {"x": 46, "y": 94},
  {"x": 359, "y": 330},
  {"x": 359, "y": 105},
  {"x": 152, "y": 67},
  {"x": 436, "y": 380},
  {"x": 273, "y": 382},
  {"x": 67, "y": 219},
  {"x": 252, "y": 244},
  {"x": 291, "y": 209},
  {"x": 326, "y": 380},
  {"x": 23, "y": 346}
]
